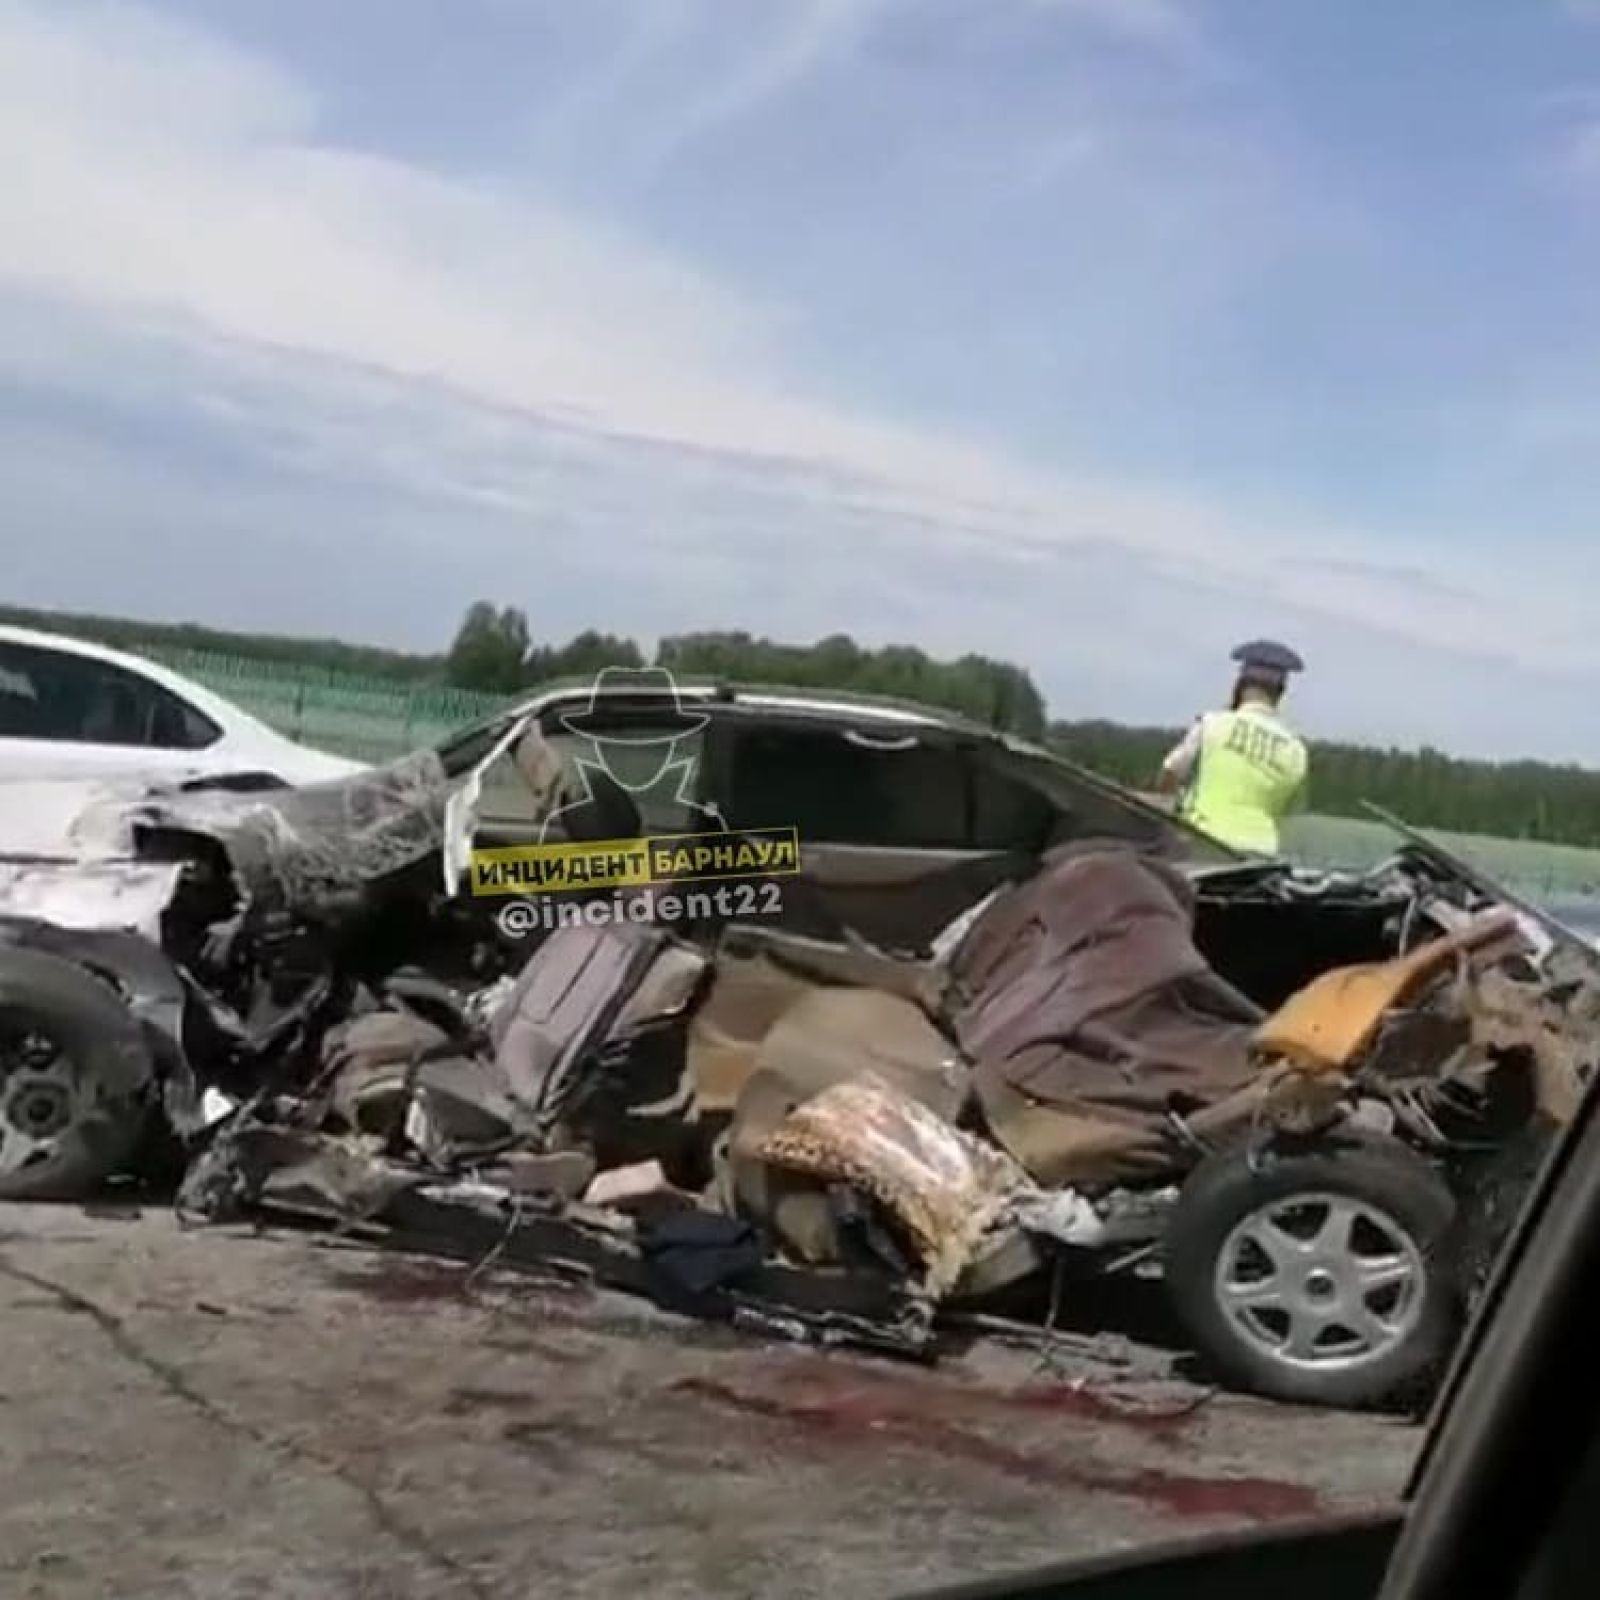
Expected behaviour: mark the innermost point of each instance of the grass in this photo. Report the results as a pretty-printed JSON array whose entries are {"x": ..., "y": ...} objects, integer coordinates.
[{"x": 1544, "y": 870}]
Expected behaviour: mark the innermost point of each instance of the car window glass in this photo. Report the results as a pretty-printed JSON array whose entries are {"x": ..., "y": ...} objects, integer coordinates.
[
  {"x": 663, "y": 776},
  {"x": 522, "y": 783},
  {"x": 21, "y": 709},
  {"x": 837, "y": 791},
  {"x": 50, "y": 694},
  {"x": 461, "y": 752},
  {"x": 1008, "y": 813},
  {"x": 177, "y": 725},
  {"x": 1082, "y": 810},
  {"x": 504, "y": 794}
]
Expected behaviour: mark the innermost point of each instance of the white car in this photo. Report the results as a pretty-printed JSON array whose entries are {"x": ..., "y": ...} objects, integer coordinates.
[{"x": 74, "y": 710}]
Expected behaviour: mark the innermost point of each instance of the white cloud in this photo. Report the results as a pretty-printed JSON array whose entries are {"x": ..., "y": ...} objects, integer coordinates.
[
  {"x": 465, "y": 353},
  {"x": 139, "y": 193},
  {"x": 167, "y": 175}
]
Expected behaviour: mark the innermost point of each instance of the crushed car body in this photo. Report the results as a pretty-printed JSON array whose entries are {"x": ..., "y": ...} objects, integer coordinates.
[
  {"x": 1284, "y": 1093},
  {"x": 234, "y": 928}
]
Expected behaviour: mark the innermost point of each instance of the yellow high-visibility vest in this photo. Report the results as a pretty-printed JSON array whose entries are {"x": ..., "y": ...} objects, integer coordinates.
[{"x": 1249, "y": 772}]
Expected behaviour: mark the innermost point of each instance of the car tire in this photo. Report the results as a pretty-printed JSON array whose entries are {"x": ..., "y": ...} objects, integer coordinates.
[
  {"x": 1316, "y": 1272},
  {"x": 75, "y": 1078}
]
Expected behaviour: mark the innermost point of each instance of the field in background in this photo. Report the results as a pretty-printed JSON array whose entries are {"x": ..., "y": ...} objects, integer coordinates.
[
  {"x": 376, "y": 719},
  {"x": 1546, "y": 870}
]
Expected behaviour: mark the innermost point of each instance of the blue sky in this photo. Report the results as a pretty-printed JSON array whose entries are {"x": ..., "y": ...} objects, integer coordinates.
[{"x": 1093, "y": 333}]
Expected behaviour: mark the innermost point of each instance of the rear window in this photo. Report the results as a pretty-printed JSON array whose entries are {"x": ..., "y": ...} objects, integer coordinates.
[{"x": 59, "y": 696}]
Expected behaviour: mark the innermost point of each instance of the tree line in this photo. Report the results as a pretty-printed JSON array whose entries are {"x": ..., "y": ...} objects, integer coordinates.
[
  {"x": 494, "y": 651},
  {"x": 334, "y": 655}
]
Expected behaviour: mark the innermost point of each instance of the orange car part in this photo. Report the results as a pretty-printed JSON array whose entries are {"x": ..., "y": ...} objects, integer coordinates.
[{"x": 1327, "y": 1024}]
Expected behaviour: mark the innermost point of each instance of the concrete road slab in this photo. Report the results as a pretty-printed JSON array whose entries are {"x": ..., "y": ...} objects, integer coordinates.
[{"x": 229, "y": 1416}]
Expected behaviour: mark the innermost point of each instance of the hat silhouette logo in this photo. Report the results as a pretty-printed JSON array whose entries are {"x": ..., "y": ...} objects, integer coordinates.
[
  {"x": 652, "y": 690},
  {"x": 636, "y": 727}
]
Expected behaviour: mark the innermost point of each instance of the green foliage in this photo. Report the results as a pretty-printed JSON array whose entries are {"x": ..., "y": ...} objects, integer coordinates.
[
  {"x": 490, "y": 650},
  {"x": 994, "y": 693},
  {"x": 581, "y": 657},
  {"x": 492, "y": 653},
  {"x": 147, "y": 638}
]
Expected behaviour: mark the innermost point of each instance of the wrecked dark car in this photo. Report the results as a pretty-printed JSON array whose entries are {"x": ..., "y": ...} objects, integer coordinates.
[
  {"x": 1302, "y": 1100},
  {"x": 271, "y": 910}
]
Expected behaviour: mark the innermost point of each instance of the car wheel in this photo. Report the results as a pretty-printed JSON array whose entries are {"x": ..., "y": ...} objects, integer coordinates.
[
  {"x": 1316, "y": 1273},
  {"x": 74, "y": 1078}
]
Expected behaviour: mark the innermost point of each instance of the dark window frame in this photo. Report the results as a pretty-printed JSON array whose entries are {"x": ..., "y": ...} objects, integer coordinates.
[{"x": 155, "y": 702}]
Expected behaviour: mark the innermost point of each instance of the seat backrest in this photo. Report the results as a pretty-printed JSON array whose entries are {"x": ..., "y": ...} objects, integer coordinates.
[
  {"x": 1090, "y": 933},
  {"x": 563, "y": 1004}
]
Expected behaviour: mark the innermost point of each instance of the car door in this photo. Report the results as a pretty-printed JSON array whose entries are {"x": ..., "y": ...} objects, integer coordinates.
[
  {"x": 901, "y": 828},
  {"x": 64, "y": 715}
]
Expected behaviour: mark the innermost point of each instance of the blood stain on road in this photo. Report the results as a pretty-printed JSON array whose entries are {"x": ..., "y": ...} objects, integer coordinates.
[{"x": 877, "y": 1417}]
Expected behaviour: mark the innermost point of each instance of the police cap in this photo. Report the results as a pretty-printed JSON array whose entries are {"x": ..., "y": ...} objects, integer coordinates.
[{"x": 1267, "y": 655}]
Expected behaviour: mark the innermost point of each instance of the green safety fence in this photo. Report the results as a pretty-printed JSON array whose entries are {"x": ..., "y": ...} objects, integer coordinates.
[{"x": 365, "y": 718}]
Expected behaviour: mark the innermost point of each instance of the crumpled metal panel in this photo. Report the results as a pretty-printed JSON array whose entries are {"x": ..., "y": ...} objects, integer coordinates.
[
  {"x": 131, "y": 895},
  {"x": 253, "y": 1164},
  {"x": 543, "y": 770},
  {"x": 300, "y": 847},
  {"x": 1335, "y": 1017},
  {"x": 67, "y": 819},
  {"x": 294, "y": 847},
  {"x": 1554, "y": 1016}
]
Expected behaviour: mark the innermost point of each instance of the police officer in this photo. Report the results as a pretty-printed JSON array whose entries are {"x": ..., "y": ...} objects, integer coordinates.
[{"x": 1238, "y": 772}]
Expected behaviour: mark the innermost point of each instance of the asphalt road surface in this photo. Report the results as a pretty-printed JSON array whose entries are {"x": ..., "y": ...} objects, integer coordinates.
[{"x": 218, "y": 1414}]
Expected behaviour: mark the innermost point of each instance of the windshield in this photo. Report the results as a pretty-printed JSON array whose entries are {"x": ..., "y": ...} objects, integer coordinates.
[
  {"x": 1109, "y": 810},
  {"x": 966, "y": 890}
]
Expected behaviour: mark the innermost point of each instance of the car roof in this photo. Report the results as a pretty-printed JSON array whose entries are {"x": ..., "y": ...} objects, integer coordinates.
[
  {"x": 836, "y": 705},
  {"x": 823, "y": 704}
]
